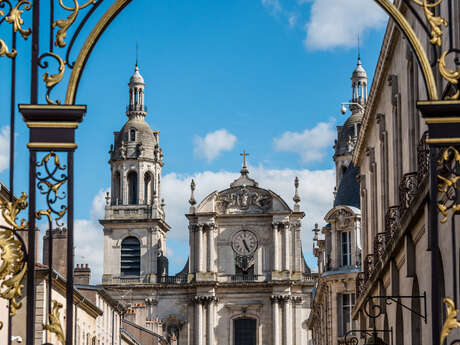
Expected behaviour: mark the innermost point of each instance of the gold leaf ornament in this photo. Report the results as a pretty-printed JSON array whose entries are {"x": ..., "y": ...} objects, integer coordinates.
[
  {"x": 10, "y": 211},
  {"x": 451, "y": 322},
  {"x": 65, "y": 24},
  {"x": 4, "y": 50},
  {"x": 436, "y": 22},
  {"x": 51, "y": 80},
  {"x": 54, "y": 325},
  {"x": 14, "y": 18},
  {"x": 12, "y": 269},
  {"x": 450, "y": 75}
]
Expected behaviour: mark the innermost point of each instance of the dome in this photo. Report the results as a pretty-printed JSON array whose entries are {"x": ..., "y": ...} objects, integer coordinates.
[
  {"x": 136, "y": 78},
  {"x": 359, "y": 71},
  {"x": 136, "y": 135}
]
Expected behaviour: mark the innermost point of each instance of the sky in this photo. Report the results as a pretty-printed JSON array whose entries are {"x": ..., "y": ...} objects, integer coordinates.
[{"x": 265, "y": 76}]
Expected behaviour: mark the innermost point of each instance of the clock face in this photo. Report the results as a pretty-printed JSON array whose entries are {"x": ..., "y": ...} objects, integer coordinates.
[{"x": 244, "y": 243}]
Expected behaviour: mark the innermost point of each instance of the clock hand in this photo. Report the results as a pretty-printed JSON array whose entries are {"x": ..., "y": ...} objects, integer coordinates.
[{"x": 245, "y": 245}]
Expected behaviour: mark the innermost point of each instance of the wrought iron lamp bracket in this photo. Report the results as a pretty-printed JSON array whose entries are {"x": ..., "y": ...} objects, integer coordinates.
[
  {"x": 351, "y": 338},
  {"x": 379, "y": 310}
]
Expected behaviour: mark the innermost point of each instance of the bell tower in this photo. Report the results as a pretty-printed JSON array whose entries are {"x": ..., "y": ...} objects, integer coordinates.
[
  {"x": 347, "y": 135},
  {"x": 134, "y": 222}
]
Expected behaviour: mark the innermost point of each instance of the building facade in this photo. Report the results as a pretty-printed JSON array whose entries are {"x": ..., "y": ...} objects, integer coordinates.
[
  {"x": 394, "y": 290},
  {"x": 246, "y": 280},
  {"x": 339, "y": 248}
]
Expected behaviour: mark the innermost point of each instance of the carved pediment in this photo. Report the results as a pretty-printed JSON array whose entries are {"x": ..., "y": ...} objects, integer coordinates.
[
  {"x": 244, "y": 200},
  {"x": 343, "y": 219}
]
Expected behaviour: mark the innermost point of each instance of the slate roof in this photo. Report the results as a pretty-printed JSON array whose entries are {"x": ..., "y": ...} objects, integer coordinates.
[{"x": 348, "y": 191}]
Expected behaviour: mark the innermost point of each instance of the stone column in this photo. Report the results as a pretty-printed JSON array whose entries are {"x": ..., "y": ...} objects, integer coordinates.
[
  {"x": 286, "y": 247},
  {"x": 210, "y": 321},
  {"x": 287, "y": 320},
  {"x": 200, "y": 248},
  {"x": 275, "y": 248},
  {"x": 275, "y": 320},
  {"x": 198, "y": 321}
]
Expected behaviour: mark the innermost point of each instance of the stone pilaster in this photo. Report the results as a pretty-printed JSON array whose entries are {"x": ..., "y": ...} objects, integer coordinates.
[
  {"x": 200, "y": 248},
  {"x": 276, "y": 251},
  {"x": 275, "y": 319},
  {"x": 286, "y": 247},
  {"x": 287, "y": 320},
  {"x": 198, "y": 320}
]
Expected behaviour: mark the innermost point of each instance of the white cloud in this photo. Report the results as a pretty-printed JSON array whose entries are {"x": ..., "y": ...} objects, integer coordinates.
[
  {"x": 214, "y": 143},
  {"x": 336, "y": 23},
  {"x": 89, "y": 238},
  {"x": 273, "y": 6},
  {"x": 292, "y": 20},
  {"x": 311, "y": 144},
  {"x": 4, "y": 148},
  {"x": 316, "y": 197}
]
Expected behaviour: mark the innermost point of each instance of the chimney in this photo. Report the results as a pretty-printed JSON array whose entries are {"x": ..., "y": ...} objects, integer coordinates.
[
  {"x": 59, "y": 237},
  {"x": 81, "y": 274}
]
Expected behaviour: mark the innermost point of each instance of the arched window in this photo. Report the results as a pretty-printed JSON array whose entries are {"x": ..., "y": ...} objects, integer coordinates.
[
  {"x": 116, "y": 199},
  {"x": 148, "y": 188},
  {"x": 130, "y": 257},
  {"x": 132, "y": 188},
  {"x": 132, "y": 134},
  {"x": 245, "y": 331}
]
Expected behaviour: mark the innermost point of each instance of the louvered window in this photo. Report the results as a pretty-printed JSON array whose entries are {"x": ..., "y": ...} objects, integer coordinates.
[{"x": 130, "y": 257}]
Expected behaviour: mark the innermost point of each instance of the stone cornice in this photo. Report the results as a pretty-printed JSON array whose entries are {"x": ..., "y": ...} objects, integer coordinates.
[{"x": 378, "y": 82}]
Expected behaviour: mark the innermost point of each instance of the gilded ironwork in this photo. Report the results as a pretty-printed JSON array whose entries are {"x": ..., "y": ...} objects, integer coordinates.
[
  {"x": 451, "y": 322},
  {"x": 448, "y": 182},
  {"x": 435, "y": 22},
  {"x": 450, "y": 75},
  {"x": 88, "y": 46},
  {"x": 5, "y": 51},
  {"x": 14, "y": 18},
  {"x": 12, "y": 267},
  {"x": 51, "y": 80},
  {"x": 49, "y": 185},
  {"x": 11, "y": 209},
  {"x": 54, "y": 325},
  {"x": 65, "y": 24}
]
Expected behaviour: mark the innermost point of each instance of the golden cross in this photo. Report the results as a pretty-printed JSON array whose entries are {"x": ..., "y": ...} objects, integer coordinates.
[{"x": 244, "y": 154}]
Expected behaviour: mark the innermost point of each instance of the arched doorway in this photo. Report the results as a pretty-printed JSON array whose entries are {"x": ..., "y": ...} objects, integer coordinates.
[{"x": 245, "y": 331}]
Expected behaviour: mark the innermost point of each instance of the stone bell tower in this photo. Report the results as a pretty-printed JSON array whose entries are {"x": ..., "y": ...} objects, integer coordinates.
[
  {"x": 347, "y": 135},
  {"x": 134, "y": 222}
]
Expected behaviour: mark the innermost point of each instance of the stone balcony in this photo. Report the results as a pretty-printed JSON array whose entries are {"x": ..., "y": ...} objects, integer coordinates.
[{"x": 133, "y": 212}]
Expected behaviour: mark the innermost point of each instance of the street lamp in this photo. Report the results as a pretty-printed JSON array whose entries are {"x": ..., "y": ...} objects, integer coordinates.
[{"x": 343, "y": 110}]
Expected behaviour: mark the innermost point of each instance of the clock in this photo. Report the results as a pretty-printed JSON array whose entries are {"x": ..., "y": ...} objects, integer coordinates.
[{"x": 244, "y": 243}]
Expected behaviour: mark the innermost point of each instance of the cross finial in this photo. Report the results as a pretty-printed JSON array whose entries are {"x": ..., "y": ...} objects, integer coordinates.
[
  {"x": 244, "y": 170},
  {"x": 359, "y": 53},
  {"x": 137, "y": 53}
]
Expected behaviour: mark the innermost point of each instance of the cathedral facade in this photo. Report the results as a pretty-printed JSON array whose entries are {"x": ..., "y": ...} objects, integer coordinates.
[{"x": 246, "y": 280}]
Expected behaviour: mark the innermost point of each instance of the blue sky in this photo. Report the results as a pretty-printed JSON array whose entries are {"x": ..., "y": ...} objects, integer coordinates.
[{"x": 267, "y": 76}]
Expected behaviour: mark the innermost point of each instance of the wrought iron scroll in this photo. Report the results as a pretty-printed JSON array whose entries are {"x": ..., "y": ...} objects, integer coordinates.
[
  {"x": 408, "y": 189},
  {"x": 374, "y": 310},
  {"x": 448, "y": 182},
  {"x": 352, "y": 339},
  {"x": 50, "y": 180}
]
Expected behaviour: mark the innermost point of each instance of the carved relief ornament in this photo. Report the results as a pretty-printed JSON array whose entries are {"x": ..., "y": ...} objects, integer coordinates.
[{"x": 244, "y": 199}]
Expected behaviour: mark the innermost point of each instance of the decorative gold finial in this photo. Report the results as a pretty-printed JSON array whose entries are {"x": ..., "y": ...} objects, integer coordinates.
[
  {"x": 244, "y": 170},
  {"x": 296, "y": 197}
]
